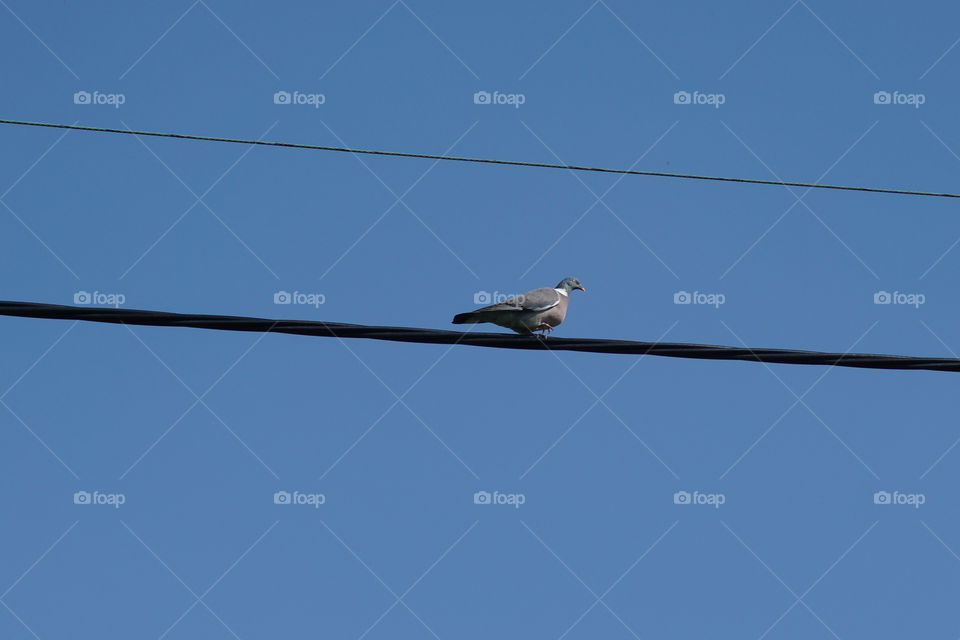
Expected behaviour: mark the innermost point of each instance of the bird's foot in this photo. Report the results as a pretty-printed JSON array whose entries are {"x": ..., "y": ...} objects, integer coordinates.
[{"x": 545, "y": 328}]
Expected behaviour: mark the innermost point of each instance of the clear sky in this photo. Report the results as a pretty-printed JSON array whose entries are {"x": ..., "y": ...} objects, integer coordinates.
[{"x": 140, "y": 468}]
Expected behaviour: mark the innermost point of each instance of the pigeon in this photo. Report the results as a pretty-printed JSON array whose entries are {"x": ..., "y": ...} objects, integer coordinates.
[{"x": 537, "y": 310}]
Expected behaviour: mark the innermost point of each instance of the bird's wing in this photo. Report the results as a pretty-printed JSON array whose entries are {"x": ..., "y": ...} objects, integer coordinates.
[
  {"x": 535, "y": 300},
  {"x": 538, "y": 299}
]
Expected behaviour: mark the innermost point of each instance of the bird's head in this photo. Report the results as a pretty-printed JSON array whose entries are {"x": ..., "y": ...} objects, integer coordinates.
[{"x": 569, "y": 284}]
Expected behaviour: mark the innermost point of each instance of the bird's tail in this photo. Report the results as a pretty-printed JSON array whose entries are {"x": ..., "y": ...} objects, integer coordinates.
[{"x": 466, "y": 318}]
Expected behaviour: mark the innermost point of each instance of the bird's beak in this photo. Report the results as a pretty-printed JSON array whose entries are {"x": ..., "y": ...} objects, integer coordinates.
[{"x": 580, "y": 287}]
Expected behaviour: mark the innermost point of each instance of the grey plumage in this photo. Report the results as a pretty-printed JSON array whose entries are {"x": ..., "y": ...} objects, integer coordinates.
[{"x": 537, "y": 310}]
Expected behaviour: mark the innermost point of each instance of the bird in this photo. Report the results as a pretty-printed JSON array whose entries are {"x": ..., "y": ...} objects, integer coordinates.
[{"x": 540, "y": 309}]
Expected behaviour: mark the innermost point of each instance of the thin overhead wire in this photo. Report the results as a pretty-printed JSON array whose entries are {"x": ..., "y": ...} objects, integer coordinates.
[
  {"x": 496, "y": 340},
  {"x": 515, "y": 163}
]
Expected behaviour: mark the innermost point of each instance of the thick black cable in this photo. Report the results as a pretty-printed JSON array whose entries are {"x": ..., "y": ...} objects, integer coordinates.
[
  {"x": 516, "y": 163},
  {"x": 498, "y": 340}
]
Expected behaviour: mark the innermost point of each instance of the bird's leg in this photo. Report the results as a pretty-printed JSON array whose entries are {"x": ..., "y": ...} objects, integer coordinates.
[{"x": 543, "y": 326}]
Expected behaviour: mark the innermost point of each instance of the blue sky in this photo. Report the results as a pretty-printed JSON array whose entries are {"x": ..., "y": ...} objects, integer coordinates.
[{"x": 140, "y": 466}]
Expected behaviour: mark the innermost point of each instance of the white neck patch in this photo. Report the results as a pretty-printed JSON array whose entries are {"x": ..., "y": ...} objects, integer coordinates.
[{"x": 561, "y": 292}]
